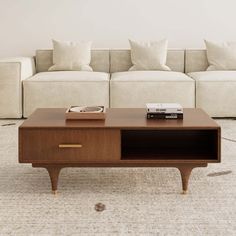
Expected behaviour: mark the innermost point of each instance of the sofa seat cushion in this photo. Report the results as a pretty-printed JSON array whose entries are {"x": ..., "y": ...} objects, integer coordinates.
[
  {"x": 66, "y": 88},
  {"x": 136, "y": 88},
  {"x": 215, "y": 92},
  {"x": 150, "y": 76},
  {"x": 69, "y": 76},
  {"x": 214, "y": 76}
]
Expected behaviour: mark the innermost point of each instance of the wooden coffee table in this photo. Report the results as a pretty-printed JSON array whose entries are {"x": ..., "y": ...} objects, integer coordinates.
[{"x": 125, "y": 139}]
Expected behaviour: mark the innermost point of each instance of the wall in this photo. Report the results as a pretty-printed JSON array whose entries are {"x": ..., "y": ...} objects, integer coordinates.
[{"x": 26, "y": 25}]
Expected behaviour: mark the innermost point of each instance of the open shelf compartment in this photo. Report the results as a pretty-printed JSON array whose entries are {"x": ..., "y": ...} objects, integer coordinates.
[{"x": 169, "y": 144}]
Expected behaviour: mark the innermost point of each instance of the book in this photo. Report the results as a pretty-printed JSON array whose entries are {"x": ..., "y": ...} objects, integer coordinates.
[
  {"x": 165, "y": 116},
  {"x": 164, "y": 108}
]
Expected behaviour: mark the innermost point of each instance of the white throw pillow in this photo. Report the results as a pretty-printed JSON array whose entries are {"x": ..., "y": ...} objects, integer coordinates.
[
  {"x": 149, "y": 55},
  {"x": 221, "y": 56},
  {"x": 71, "y": 56}
]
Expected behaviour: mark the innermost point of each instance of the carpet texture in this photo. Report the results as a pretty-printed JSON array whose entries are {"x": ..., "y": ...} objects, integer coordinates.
[{"x": 137, "y": 201}]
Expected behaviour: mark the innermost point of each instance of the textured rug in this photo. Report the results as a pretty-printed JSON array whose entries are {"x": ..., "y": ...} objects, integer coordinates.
[{"x": 134, "y": 201}]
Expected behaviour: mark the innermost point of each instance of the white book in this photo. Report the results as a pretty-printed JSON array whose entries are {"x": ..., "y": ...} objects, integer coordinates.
[{"x": 164, "y": 108}]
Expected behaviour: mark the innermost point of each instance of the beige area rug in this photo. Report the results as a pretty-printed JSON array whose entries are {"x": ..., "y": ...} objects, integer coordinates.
[{"x": 138, "y": 201}]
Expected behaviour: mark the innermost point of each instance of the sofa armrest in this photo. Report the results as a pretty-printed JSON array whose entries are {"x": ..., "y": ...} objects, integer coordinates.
[{"x": 12, "y": 72}]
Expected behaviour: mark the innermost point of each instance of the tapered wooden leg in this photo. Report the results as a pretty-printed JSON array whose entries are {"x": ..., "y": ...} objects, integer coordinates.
[
  {"x": 54, "y": 172},
  {"x": 185, "y": 172}
]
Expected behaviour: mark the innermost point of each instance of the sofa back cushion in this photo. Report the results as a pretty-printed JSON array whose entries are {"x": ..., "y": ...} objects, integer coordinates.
[
  {"x": 195, "y": 60},
  {"x": 99, "y": 60},
  {"x": 114, "y": 60},
  {"x": 120, "y": 60}
]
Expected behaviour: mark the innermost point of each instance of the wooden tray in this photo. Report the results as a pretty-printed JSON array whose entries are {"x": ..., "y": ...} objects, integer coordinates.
[{"x": 70, "y": 115}]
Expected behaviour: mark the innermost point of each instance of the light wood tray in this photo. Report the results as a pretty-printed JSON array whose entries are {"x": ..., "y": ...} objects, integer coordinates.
[{"x": 70, "y": 115}]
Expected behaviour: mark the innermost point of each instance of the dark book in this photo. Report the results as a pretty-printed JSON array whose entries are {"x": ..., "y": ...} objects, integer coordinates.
[{"x": 165, "y": 116}]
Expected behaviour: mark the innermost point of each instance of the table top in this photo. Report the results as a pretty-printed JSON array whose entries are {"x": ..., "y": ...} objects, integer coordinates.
[{"x": 119, "y": 118}]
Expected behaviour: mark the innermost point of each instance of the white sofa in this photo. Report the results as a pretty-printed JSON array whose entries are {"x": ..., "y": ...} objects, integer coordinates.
[{"x": 215, "y": 90}]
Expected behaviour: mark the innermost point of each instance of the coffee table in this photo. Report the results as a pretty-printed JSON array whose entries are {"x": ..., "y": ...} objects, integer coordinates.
[{"x": 125, "y": 139}]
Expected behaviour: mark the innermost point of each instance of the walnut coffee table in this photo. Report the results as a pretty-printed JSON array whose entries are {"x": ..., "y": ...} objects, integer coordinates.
[{"x": 125, "y": 139}]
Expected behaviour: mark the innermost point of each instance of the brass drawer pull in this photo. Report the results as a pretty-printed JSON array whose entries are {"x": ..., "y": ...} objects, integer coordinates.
[{"x": 70, "y": 145}]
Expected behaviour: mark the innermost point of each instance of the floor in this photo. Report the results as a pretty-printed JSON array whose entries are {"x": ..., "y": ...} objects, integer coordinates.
[{"x": 138, "y": 201}]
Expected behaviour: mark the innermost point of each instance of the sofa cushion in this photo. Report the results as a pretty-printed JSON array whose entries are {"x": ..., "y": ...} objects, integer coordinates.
[
  {"x": 150, "y": 76},
  {"x": 100, "y": 60},
  {"x": 221, "y": 56},
  {"x": 149, "y": 55},
  {"x": 71, "y": 56},
  {"x": 120, "y": 60},
  {"x": 69, "y": 76},
  {"x": 66, "y": 88},
  {"x": 215, "y": 92},
  {"x": 136, "y": 88},
  {"x": 213, "y": 76}
]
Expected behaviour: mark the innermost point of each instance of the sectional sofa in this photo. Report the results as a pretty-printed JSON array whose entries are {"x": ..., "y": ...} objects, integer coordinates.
[{"x": 26, "y": 84}]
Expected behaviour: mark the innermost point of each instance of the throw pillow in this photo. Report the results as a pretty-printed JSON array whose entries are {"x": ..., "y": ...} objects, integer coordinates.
[
  {"x": 221, "y": 56},
  {"x": 71, "y": 56},
  {"x": 149, "y": 55}
]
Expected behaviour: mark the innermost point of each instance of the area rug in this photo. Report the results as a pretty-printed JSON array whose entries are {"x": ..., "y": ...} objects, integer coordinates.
[{"x": 135, "y": 201}]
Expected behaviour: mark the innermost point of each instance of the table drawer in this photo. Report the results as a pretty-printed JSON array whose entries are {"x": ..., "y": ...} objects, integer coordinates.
[{"x": 69, "y": 146}]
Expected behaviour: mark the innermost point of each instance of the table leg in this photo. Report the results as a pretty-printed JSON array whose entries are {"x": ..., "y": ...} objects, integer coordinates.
[
  {"x": 54, "y": 172},
  {"x": 185, "y": 172}
]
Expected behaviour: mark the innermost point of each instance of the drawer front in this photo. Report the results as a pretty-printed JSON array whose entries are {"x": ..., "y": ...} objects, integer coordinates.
[{"x": 69, "y": 146}]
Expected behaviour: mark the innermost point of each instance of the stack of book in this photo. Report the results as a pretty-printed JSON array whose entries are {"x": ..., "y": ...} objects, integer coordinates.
[{"x": 164, "y": 111}]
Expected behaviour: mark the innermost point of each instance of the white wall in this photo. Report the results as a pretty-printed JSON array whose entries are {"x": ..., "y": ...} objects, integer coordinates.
[{"x": 26, "y": 25}]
